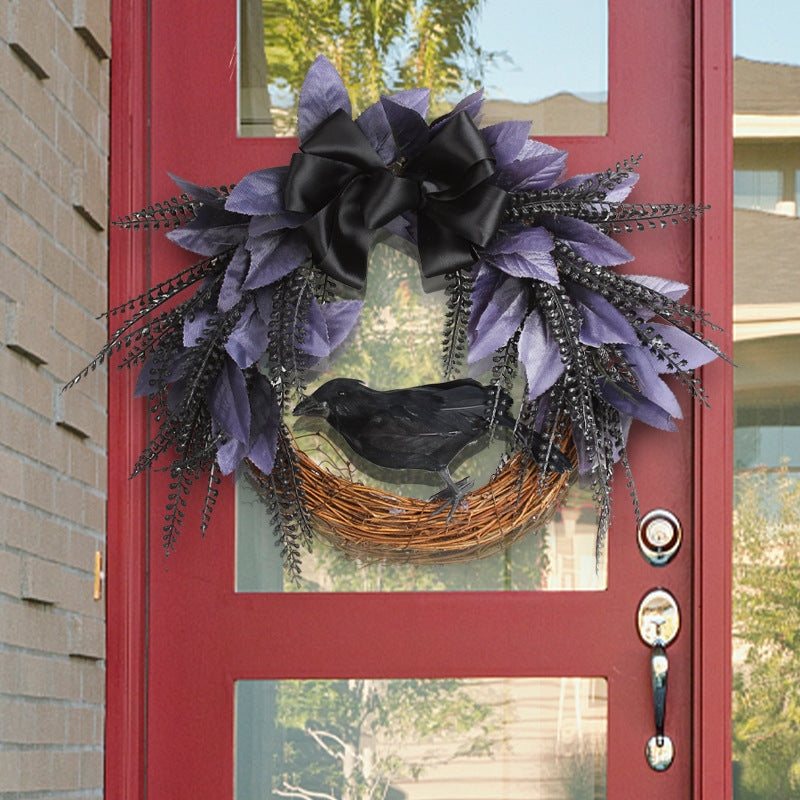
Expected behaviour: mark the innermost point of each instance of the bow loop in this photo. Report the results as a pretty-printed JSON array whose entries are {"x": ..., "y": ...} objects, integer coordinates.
[
  {"x": 344, "y": 185},
  {"x": 459, "y": 209}
]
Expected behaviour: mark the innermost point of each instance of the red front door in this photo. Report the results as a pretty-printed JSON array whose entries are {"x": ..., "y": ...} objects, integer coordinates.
[{"x": 181, "y": 636}]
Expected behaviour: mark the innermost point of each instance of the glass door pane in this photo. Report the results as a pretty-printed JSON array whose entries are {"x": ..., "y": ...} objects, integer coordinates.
[
  {"x": 766, "y": 568},
  {"x": 531, "y": 64},
  {"x": 470, "y": 739}
]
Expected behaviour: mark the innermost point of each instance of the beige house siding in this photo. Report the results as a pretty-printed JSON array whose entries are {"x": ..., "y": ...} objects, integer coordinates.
[{"x": 54, "y": 101}]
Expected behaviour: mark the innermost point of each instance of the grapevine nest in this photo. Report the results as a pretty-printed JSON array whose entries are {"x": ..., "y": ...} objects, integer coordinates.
[{"x": 370, "y": 524}]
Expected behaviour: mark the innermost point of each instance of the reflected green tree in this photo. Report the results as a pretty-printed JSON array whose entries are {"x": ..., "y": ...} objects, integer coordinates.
[
  {"x": 377, "y": 46},
  {"x": 351, "y": 739},
  {"x": 766, "y": 614}
]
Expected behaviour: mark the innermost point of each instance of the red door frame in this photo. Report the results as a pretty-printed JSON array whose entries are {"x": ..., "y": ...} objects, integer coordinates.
[{"x": 129, "y": 538}]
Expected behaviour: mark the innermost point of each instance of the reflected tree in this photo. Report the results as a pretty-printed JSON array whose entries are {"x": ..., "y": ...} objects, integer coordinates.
[
  {"x": 377, "y": 46},
  {"x": 766, "y": 615},
  {"x": 351, "y": 739}
]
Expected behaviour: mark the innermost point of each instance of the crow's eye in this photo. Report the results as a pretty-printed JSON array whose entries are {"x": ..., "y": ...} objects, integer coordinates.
[{"x": 342, "y": 394}]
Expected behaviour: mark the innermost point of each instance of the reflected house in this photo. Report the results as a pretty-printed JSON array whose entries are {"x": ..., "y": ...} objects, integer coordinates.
[{"x": 766, "y": 129}]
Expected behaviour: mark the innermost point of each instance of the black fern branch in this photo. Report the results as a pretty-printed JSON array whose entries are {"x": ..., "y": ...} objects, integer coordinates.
[
  {"x": 168, "y": 213},
  {"x": 142, "y": 340},
  {"x": 627, "y": 217},
  {"x": 288, "y": 327},
  {"x": 161, "y": 292},
  {"x": 458, "y": 299}
]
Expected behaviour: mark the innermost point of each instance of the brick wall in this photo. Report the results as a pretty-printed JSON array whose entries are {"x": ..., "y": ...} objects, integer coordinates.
[{"x": 54, "y": 95}]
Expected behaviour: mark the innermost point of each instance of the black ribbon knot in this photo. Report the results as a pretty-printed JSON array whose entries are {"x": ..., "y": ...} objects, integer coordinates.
[{"x": 341, "y": 181}]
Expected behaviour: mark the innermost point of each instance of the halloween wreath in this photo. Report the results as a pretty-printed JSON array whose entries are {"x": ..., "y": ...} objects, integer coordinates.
[{"x": 527, "y": 264}]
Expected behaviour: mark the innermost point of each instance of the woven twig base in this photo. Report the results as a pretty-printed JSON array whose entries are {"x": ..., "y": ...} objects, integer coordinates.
[{"x": 371, "y": 524}]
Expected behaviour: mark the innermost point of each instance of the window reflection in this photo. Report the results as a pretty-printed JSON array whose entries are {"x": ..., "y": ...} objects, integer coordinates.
[
  {"x": 531, "y": 64},
  {"x": 481, "y": 739},
  {"x": 766, "y": 569}
]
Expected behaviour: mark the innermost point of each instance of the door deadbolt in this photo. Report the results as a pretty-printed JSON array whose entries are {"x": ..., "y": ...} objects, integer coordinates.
[{"x": 659, "y": 536}]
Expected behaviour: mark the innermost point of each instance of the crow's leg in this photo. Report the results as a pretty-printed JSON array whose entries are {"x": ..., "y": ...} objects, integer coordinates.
[{"x": 456, "y": 491}]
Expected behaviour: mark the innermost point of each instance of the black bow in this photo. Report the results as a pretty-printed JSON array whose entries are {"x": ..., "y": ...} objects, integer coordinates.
[
  {"x": 344, "y": 184},
  {"x": 342, "y": 181},
  {"x": 458, "y": 209}
]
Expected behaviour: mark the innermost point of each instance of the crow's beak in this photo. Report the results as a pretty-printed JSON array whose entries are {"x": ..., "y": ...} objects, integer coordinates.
[{"x": 311, "y": 407}]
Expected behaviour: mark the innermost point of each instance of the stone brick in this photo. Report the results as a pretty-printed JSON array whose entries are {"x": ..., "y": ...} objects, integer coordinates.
[
  {"x": 29, "y": 324},
  {"x": 93, "y": 682},
  {"x": 22, "y": 237},
  {"x": 11, "y": 770},
  {"x": 80, "y": 730},
  {"x": 20, "y": 430},
  {"x": 12, "y": 475},
  {"x": 9, "y": 581},
  {"x": 12, "y": 174},
  {"x": 69, "y": 501},
  {"x": 76, "y": 413},
  {"x": 66, "y": 771},
  {"x": 77, "y": 594},
  {"x": 27, "y": 721},
  {"x": 69, "y": 139},
  {"x": 32, "y": 35},
  {"x": 35, "y": 627},
  {"x": 53, "y": 537},
  {"x": 41, "y": 581},
  {"x": 38, "y": 201},
  {"x": 36, "y": 675},
  {"x": 91, "y": 769},
  {"x": 94, "y": 510},
  {"x": 67, "y": 679},
  {"x": 87, "y": 637},
  {"x": 39, "y": 105},
  {"x": 93, "y": 23},
  {"x": 36, "y": 771},
  {"x": 18, "y": 525},
  {"x": 38, "y": 487},
  {"x": 19, "y": 135}
]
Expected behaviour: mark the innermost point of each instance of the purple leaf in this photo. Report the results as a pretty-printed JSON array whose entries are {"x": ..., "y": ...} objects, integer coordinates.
[
  {"x": 264, "y": 425},
  {"x": 472, "y": 104},
  {"x": 524, "y": 253},
  {"x": 500, "y": 320},
  {"x": 375, "y": 126},
  {"x": 671, "y": 289},
  {"x": 204, "y": 194},
  {"x": 212, "y": 231},
  {"x": 194, "y": 325},
  {"x": 231, "y": 290},
  {"x": 588, "y": 242},
  {"x": 264, "y": 303},
  {"x": 693, "y": 352},
  {"x": 634, "y": 404},
  {"x": 539, "y": 167},
  {"x": 323, "y": 93},
  {"x": 269, "y": 223},
  {"x": 602, "y": 323},
  {"x": 417, "y": 99},
  {"x": 340, "y": 317},
  {"x": 650, "y": 385},
  {"x": 539, "y": 355},
  {"x": 228, "y": 403},
  {"x": 506, "y": 140},
  {"x": 485, "y": 285},
  {"x": 410, "y": 130},
  {"x": 249, "y": 338},
  {"x": 259, "y": 192},
  {"x": 274, "y": 255},
  {"x": 623, "y": 188},
  {"x": 230, "y": 454},
  {"x": 315, "y": 342}
]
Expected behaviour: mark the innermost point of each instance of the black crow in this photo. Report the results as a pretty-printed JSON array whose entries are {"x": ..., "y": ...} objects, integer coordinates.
[{"x": 424, "y": 427}]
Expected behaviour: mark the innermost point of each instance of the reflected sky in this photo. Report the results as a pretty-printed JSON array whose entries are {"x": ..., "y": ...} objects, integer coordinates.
[{"x": 767, "y": 31}]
